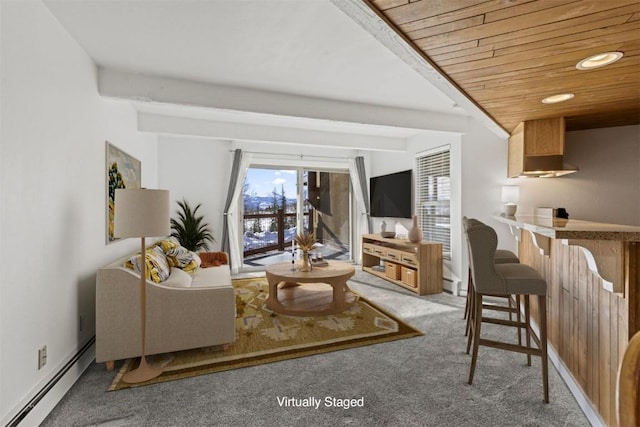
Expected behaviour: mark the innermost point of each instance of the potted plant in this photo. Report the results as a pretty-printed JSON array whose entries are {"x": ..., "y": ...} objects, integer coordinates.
[{"x": 189, "y": 229}]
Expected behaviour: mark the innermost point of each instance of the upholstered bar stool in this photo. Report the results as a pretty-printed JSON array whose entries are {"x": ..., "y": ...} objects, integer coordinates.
[
  {"x": 502, "y": 256},
  {"x": 490, "y": 278}
]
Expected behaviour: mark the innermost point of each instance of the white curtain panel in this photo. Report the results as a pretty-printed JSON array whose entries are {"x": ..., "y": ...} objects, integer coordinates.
[
  {"x": 233, "y": 216},
  {"x": 362, "y": 209}
]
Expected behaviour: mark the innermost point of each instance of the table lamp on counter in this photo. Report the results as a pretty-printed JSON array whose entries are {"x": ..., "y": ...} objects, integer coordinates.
[{"x": 510, "y": 198}]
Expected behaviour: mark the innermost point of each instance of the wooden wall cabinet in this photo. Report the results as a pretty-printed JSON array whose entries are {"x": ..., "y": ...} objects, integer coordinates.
[
  {"x": 414, "y": 266},
  {"x": 536, "y": 144}
]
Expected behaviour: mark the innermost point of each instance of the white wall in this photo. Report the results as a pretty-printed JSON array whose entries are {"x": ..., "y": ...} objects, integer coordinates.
[
  {"x": 53, "y": 190},
  {"x": 197, "y": 170},
  {"x": 607, "y": 186},
  {"x": 484, "y": 172}
]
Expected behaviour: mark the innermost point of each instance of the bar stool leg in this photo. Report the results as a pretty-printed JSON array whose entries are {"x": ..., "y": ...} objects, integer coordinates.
[
  {"x": 467, "y": 305},
  {"x": 542, "y": 310},
  {"x": 472, "y": 317},
  {"x": 471, "y": 307},
  {"x": 527, "y": 320},
  {"x": 476, "y": 334},
  {"x": 518, "y": 318}
]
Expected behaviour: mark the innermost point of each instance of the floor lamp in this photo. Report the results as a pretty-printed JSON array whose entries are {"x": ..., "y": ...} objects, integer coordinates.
[{"x": 141, "y": 213}]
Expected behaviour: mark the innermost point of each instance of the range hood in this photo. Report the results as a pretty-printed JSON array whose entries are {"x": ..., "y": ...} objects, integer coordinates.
[
  {"x": 536, "y": 149},
  {"x": 546, "y": 167}
]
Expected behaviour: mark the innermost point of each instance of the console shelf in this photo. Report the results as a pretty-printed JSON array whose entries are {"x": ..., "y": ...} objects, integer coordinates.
[{"x": 414, "y": 266}]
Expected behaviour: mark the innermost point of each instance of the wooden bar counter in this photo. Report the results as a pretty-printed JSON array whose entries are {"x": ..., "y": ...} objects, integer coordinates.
[{"x": 593, "y": 300}]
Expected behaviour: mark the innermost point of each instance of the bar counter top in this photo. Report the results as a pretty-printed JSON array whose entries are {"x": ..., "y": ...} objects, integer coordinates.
[{"x": 557, "y": 228}]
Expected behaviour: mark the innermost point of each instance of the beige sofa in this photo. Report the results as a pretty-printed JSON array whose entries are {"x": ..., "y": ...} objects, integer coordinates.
[{"x": 180, "y": 315}]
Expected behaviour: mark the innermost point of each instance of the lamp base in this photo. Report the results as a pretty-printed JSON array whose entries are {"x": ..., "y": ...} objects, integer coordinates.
[
  {"x": 510, "y": 209},
  {"x": 144, "y": 372}
]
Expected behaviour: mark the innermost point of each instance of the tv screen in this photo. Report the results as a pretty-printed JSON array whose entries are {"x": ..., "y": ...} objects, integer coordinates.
[{"x": 391, "y": 195}]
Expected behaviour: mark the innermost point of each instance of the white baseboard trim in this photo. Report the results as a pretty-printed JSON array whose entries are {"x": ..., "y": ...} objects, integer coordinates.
[
  {"x": 35, "y": 408},
  {"x": 451, "y": 287},
  {"x": 450, "y": 281}
]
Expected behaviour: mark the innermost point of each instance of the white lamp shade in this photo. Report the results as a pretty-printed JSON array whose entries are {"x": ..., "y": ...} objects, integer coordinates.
[
  {"x": 141, "y": 213},
  {"x": 510, "y": 193}
]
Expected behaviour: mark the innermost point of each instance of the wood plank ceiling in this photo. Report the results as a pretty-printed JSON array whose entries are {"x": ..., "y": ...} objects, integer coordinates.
[{"x": 507, "y": 55}]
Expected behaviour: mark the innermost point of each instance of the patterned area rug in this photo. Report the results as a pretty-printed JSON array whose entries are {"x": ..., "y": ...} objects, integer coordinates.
[{"x": 263, "y": 336}]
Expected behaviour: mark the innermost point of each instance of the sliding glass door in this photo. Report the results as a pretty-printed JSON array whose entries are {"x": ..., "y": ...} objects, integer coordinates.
[
  {"x": 329, "y": 200},
  {"x": 278, "y": 203}
]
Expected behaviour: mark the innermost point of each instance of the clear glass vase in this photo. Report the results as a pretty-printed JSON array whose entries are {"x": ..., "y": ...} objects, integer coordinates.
[{"x": 306, "y": 263}]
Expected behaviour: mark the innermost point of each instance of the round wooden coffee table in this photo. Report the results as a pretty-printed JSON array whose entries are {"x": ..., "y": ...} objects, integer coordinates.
[{"x": 298, "y": 293}]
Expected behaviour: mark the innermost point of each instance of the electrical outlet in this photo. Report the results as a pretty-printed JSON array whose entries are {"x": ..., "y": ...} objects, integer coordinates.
[{"x": 42, "y": 357}]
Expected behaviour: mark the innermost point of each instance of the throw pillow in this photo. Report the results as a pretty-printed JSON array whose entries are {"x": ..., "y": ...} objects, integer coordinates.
[
  {"x": 213, "y": 259},
  {"x": 178, "y": 279},
  {"x": 157, "y": 267},
  {"x": 181, "y": 257},
  {"x": 167, "y": 244},
  {"x": 197, "y": 258}
]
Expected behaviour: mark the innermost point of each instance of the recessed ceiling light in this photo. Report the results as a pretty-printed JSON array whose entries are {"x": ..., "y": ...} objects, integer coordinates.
[
  {"x": 599, "y": 60},
  {"x": 557, "y": 98}
]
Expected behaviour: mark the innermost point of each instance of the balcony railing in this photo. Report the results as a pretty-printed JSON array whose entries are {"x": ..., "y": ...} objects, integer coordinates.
[{"x": 266, "y": 232}]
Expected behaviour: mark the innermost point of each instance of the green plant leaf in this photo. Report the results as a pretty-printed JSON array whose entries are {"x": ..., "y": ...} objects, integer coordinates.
[{"x": 189, "y": 228}]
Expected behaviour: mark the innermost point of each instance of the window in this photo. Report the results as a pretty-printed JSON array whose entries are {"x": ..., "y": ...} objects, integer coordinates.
[{"x": 433, "y": 197}]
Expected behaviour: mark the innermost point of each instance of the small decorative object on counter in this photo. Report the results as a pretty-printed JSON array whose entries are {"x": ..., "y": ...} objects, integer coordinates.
[{"x": 415, "y": 234}]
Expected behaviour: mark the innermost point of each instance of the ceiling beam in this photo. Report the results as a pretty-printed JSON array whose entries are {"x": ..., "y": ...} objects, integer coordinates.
[
  {"x": 383, "y": 31},
  {"x": 140, "y": 87},
  {"x": 204, "y": 128}
]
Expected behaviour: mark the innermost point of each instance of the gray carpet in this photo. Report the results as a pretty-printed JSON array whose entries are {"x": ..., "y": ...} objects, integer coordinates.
[{"x": 419, "y": 381}]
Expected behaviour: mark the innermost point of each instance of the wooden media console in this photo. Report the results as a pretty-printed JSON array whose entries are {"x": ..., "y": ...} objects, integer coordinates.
[{"x": 414, "y": 266}]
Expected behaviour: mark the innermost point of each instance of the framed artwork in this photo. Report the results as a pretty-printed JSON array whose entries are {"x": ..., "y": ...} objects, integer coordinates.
[{"x": 123, "y": 171}]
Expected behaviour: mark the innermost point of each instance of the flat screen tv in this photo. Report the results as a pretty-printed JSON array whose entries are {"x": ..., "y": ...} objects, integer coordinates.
[{"x": 391, "y": 195}]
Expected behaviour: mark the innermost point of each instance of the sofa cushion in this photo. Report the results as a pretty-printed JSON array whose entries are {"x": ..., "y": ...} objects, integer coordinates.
[
  {"x": 178, "y": 279},
  {"x": 213, "y": 277},
  {"x": 157, "y": 267}
]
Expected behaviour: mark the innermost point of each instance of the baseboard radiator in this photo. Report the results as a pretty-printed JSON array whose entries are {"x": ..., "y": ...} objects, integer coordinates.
[{"x": 22, "y": 414}]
